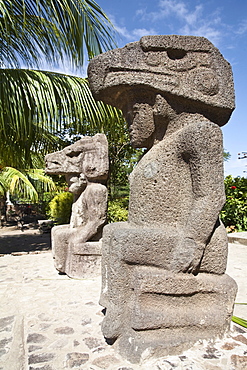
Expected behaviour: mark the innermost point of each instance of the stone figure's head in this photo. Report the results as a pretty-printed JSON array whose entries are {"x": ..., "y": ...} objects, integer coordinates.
[
  {"x": 85, "y": 160},
  {"x": 188, "y": 72}
]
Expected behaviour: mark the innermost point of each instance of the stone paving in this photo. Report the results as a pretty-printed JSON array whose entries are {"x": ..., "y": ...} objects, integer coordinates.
[{"x": 51, "y": 322}]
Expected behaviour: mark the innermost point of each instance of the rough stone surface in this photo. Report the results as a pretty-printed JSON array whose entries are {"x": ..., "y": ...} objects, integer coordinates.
[
  {"x": 41, "y": 357},
  {"x": 76, "y": 359},
  {"x": 77, "y": 246},
  {"x": 37, "y": 295},
  {"x": 164, "y": 284},
  {"x": 105, "y": 362},
  {"x": 64, "y": 330},
  {"x": 35, "y": 338}
]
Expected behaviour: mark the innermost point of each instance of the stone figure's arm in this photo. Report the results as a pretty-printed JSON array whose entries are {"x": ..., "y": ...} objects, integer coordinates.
[
  {"x": 96, "y": 203},
  {"x": 204, "y": 153}
]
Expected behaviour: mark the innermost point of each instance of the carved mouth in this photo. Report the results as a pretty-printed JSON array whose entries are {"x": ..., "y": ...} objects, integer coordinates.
[
  {"x": 143, "y": 70},
  {"x": 115, "y": 75}
]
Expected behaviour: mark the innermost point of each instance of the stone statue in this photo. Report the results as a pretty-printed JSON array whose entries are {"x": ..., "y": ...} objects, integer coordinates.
[
  {"x": 164, "y": 285},
  {"x": 77, "y": 246}
]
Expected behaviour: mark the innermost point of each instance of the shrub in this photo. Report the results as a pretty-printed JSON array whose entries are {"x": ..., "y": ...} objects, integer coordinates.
[
  {"x": 234, "y": 212},
  {"x": 118, "y": 210},
  {"x": 60, "y": 208}
]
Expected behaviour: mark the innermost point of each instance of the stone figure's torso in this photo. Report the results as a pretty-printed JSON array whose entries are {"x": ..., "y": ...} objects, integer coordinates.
[
  {"x": 161, "y": 186},
  {"x": 79, "y": 211},
  {"x": 86, "y": 207}
]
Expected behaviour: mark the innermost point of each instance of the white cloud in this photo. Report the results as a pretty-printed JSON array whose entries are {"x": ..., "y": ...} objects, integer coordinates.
[
  {"x": 242, "y": 28},
  {"x": 207, "y": 31},
  {"x": 176, "y": 8},
  {"x": 191, "y": 21},
  {"x": 134, "y": 34},
  {"x": 139, "y": 32}
]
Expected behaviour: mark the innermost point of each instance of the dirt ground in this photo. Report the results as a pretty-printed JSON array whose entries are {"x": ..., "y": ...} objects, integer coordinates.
[{"x": 13, "y": 240}]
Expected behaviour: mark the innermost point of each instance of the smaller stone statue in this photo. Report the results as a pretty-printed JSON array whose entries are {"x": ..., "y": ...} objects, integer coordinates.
[{"x": 77, "y": 246}]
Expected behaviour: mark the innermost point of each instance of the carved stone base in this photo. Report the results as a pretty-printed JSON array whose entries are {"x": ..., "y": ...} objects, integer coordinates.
[
  {"x": 85, "y": 261},
  {"x": 81, "y": 261},
  {"x": 167, "y": 313}
]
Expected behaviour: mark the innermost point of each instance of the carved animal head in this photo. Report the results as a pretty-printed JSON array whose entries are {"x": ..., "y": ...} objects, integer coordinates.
[
  {"x": 88, "y": 156},
  {"x": 187, "y": 68}
]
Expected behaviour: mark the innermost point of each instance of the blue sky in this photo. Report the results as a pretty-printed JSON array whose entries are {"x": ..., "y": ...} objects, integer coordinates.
[{"x": 223, "y": 22}]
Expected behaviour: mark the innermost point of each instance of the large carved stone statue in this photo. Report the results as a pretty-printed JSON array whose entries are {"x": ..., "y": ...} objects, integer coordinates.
[
  {"x": 164, "y": 282},
  {"x": 77, "y": 246}
]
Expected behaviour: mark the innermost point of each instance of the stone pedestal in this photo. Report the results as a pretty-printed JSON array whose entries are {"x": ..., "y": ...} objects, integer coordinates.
[
  {"x": 151, "y": 310},
  {"x": 170, "y": 312},
  {"x": 78, "y": 262}
]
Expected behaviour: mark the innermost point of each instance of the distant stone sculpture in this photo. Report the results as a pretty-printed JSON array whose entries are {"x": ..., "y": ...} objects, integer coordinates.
[
  {"x": 77, "y": 246},
  {"x": 164, "y": 285}
]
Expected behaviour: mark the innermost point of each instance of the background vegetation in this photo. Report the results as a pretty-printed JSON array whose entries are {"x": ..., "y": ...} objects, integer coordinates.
[{"x": 234, "y": 213}]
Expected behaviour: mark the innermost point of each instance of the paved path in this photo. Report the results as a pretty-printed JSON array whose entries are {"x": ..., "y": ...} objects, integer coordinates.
[{"x": 51, "y": 322}]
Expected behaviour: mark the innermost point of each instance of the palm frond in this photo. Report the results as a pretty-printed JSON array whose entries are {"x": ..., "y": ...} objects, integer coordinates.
[
  {"x": 239, "y": 321},
  {"x": 41, "y": 180},
  {"x": 19, "y": 184},
  {"x": 58, "y": 29},
  {"x": 3, "y": 185},
  {"x": 26, "y": 183},
  {"x": 35, "y": 105}
]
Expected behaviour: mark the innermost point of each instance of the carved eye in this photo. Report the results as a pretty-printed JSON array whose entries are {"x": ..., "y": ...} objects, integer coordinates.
[
  {"x": 176, "y": 53},
  {"x": 73, "y": 153}
]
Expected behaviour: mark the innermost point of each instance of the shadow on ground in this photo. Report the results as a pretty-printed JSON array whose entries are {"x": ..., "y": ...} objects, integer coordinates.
[{"x": 24, "y": 242}]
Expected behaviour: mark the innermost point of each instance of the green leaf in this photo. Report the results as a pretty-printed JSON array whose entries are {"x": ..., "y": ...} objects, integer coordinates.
[
  {"x": 60, "y": 30},
  {"x": 239, "y": 321},
  {"x": 35, "y": 105}
]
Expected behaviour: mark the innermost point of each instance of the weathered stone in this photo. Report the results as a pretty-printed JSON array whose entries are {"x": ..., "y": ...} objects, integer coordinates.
[
  {"x": 93, "y": 342},
  {"x": 41, "y": 357},
  {"x": 6, "y": 322},
  {"x": 46, "y": 367},
  {"x": 64, "y": 330},
  {"x": 35, "y": 338},
  {"x": 239, "y": 362},
  {"x": 105, "y": 362},
  {"x": 77, "y": 246},
  {"x": 5, "y": 345},
  {"x": 211, "y": 353},
  {"x": 4, "y": 342},
  {"x": 76, "y": 359},
  {"x": 241, "y": 338},
  {"x": 239, "y": 329},
  {"x": 229, "y": 346},
  {"x": 163, "y": 281},
  {"x": 33, "y": 348}
]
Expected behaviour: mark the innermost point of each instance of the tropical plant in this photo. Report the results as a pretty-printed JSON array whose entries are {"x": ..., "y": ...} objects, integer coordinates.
[
  {"x": 27, "y": 184},
  {"x": 56, "y": 30},
  {"x": 34, "y": 104},
  {"x": 234, "y": 212},
  {"x": 38, "y": 105}
]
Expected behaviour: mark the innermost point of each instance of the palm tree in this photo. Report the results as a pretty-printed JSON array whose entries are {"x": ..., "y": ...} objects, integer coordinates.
[{"x": 34, "y": 104}]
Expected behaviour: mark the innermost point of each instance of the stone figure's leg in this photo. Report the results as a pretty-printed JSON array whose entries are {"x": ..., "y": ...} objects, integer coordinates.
[
  {"x": 115, "y": 280},
  {"x": 83, "y": 259},
  {"x": 125, "y": 246},
  {"x": 215, "y": 255},
  {"x": 60, "y": 236}
]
